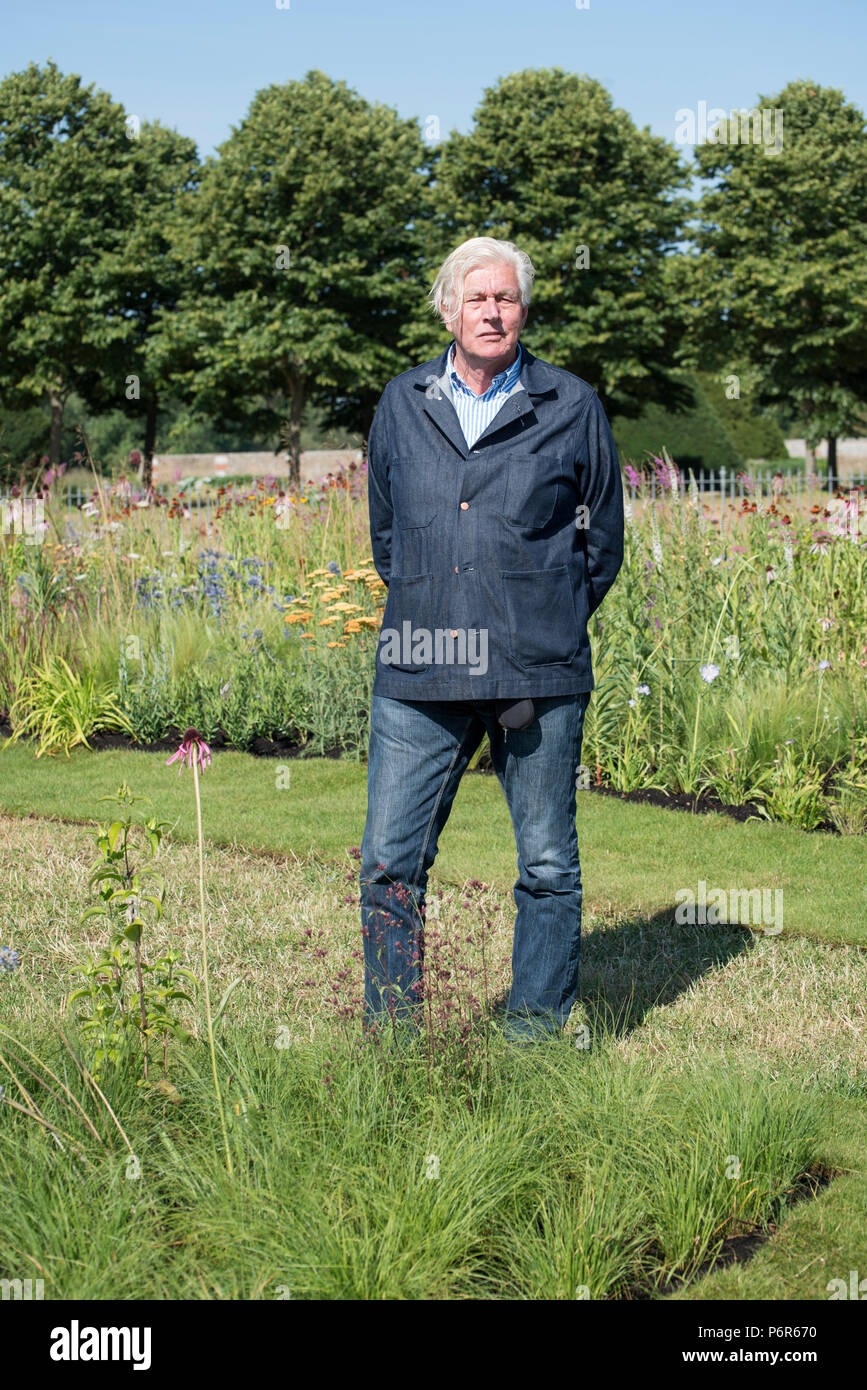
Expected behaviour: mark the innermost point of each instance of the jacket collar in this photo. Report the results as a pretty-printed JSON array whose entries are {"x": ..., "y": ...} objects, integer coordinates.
[{"x": 536, "y": 377}]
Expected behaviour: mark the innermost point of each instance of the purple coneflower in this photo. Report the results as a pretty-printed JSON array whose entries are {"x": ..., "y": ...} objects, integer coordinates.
[{"x": 193, "y": 749}]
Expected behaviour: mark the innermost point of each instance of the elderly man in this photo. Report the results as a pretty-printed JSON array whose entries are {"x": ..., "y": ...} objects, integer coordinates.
[{"x": 496, "y": 521}]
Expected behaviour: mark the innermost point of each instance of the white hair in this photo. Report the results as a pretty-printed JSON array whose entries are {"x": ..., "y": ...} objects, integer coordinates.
[{"x": 448, "y": 287}]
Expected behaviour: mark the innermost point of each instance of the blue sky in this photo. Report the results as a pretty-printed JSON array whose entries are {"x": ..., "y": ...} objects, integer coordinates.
[{"x": 195, "y": 64}]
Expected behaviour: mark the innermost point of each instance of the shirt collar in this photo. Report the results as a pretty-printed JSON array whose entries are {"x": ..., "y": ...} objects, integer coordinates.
[{"x": 501, "y": 381}]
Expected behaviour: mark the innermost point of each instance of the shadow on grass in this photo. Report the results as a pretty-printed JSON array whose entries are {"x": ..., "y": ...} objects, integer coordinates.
[{"x": 630, "y": 967}]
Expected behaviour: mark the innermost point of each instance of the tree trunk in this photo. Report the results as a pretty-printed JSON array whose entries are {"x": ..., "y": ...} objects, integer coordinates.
[
  {"x": 833, "y": 480},
  {"x": 147, "y": 473},
  {"x": 56, "y": 401},
  {"x": 296, "y": 386}
]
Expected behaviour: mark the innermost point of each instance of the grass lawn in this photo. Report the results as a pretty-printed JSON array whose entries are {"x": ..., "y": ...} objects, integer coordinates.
[{"x": 713, "y": 1065}]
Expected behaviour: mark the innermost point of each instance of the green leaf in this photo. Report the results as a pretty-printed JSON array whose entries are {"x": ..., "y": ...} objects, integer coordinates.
[{"x": 93, "y": 912}]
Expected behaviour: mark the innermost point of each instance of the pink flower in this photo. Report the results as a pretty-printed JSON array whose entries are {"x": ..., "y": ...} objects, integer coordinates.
[
  {"x": 193, "y": 749},
  {"x": 633, "y": 477}
]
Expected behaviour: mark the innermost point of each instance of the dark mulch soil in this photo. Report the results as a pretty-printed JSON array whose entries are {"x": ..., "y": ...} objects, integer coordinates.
[
  {"x": 702, "y": 804},
  {"x": 739, "y": 1249},
  {"x": 261, "y": 747}
]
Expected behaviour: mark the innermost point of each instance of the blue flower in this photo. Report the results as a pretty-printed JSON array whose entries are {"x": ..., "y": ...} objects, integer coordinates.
[
  {"x": 9, "y": 959},
  {"x": 333, "y": 566}
]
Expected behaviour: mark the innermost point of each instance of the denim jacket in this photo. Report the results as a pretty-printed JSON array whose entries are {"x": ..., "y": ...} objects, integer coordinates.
[{"x": 494, "y": 557}]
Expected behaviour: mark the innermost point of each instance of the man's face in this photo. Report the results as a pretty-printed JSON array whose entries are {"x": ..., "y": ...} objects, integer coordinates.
[{"x": 491, "y": 316}]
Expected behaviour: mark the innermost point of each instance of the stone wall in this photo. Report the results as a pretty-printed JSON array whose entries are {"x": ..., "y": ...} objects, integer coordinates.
[
  {"x": 315, "y": 463},
  {"x": 851, "y": 454}
]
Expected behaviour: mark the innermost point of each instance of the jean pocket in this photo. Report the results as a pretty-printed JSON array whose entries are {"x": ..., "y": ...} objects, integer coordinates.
[{"x": 542, "y": 616}]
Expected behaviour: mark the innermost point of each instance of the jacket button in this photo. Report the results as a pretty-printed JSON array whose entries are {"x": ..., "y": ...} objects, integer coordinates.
[
  {"x": 456, "y": 569},
  {"x": 465, "y": 506},
  {"x": 454, "y": 632}
]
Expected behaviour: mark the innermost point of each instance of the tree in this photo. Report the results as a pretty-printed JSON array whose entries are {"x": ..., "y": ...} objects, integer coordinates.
[
  {"x": 778, "y": 284},
  {"x": 299, "y": 237},
  {"x": 67, "y": 198},
  {"x": 551, "y": 165},
  {"x": 148, "y": 281}
]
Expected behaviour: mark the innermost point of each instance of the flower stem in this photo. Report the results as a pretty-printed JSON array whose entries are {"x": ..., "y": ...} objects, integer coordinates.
[{"x": 205, "y": 969}]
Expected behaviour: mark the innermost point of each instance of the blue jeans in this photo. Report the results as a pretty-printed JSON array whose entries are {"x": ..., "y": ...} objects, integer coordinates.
[{"x": 418, "y": 752}]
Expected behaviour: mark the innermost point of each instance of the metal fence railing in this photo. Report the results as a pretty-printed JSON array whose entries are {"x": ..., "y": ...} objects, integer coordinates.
[{"x": 720, "y": 489}]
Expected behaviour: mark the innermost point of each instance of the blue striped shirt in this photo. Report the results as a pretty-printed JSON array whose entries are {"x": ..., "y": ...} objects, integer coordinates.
[{"x": 476, "y": 412}]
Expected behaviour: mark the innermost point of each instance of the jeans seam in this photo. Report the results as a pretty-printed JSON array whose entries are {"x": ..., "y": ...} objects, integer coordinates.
[{"x": 433, "y": 815}]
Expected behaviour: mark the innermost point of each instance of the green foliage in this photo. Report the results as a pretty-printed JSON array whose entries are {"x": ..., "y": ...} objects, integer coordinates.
[
  {"x": 572, "y": 1174},
  {"x": 697, "y": 437},
  {"x": 777, "y": 291},
  {"x": 67, "y": 204},
  {"x": 24, "y": 438},
  {"x": 714, "y": 432},
  {"x": 61, "y": 707},
  {"x": 784, "y": 717},
  {"x": 131, "y": 1000},
  {"x": 755, "y": 435}
]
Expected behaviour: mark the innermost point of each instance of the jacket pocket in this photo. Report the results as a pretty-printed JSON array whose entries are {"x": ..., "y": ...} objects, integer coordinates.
[
  {"x": 407, "y": 608},
  {"x": 414, "y": 551},
  {"x": 542, "y": 616},
  {"x": 534, "y": 485}
]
